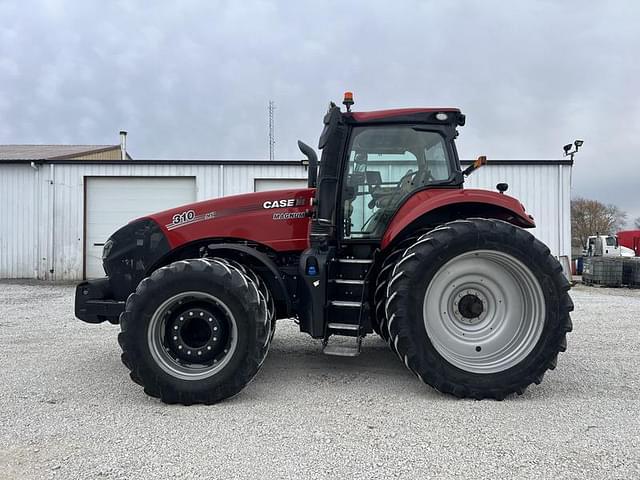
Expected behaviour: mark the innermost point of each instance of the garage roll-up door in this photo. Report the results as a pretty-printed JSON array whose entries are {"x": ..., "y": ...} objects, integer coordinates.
[
  {"x": 266, "y": 184},
  {"x": 112, "y": 202}
]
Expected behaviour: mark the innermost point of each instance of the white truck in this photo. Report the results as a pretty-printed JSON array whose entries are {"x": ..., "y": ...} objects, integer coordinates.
[{"x": 606, "y": 246}]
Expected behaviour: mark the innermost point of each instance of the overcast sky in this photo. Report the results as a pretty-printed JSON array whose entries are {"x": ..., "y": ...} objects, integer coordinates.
[{"x": 192, "y": 79}]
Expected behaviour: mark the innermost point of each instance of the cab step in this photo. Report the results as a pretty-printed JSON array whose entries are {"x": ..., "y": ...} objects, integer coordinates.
[
  {"x": 360, "y": 261},
  {"x": 345, "y": 303},
  {"x": 342, "y": 281},
  {"x": 342, "y": 349},
  {"x": 343, "y": 326}
]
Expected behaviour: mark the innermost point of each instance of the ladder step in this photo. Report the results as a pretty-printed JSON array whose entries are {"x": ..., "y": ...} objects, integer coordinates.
[
  {"x": 347, "y": 282},
  {"x": 355, "y": 260},
  {"x": 343, "y": 326},
  {"x": 342, "y": 350},
  {"x": 345, "y": 303}
]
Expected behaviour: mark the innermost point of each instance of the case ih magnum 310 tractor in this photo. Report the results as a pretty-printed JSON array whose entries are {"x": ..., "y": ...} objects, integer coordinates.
[{"x": 384, "y": 239}]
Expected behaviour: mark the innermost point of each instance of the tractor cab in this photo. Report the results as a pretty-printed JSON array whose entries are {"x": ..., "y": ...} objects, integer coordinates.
[{"x": 371, "y": 163}]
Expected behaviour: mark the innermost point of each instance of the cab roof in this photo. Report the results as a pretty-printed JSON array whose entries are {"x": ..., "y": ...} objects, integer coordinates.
[{"x": 409, "y": 114}]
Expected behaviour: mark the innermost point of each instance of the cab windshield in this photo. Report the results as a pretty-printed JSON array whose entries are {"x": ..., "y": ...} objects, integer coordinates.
[{"x": 387, "y": 164}]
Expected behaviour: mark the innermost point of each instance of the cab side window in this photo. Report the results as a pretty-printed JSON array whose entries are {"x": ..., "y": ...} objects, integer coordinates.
[{"x": 386, "y": 164}]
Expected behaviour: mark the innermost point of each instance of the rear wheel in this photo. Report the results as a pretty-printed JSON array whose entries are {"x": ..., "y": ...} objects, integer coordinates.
[
  {"x": 195, "y": 331},
  {"x": 478, "y": 308},
  {"x": 380, "y": 294},
  {"x": 379, "y": 322}
]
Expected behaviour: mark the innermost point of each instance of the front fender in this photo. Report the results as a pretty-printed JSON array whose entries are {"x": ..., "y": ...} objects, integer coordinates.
[
  {"x": 255, "y": 258},
  {"x": 434, "y": 206}
]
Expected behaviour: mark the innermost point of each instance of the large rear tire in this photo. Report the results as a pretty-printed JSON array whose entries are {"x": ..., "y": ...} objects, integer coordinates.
[
  {"x": 195, "y": 331},
  {"x": 478, "y": 308},
  {"x": 379, "y": 320}
]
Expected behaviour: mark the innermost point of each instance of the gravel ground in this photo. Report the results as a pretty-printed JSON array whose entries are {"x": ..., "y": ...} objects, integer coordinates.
[{"x": 68, "y": 409}]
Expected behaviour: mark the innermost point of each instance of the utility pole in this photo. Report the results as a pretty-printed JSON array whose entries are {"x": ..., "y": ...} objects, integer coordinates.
[{"x": 272, "y": 138}]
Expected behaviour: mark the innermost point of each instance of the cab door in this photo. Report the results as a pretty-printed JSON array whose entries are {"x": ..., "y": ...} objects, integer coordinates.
[{"x": 385, "y": 165}]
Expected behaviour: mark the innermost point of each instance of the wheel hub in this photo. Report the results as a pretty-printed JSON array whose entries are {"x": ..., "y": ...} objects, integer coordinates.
[
  {"x": 484, "y": 311},
  {"x": 194, "y": 335},
  {"x": 470, "y": 306}
]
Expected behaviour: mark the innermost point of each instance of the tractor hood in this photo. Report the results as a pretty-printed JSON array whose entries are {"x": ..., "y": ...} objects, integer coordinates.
[{"x": 278, "y": 219}]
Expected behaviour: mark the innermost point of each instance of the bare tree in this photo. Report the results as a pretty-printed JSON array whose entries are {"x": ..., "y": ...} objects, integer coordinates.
[{"x": 589, "y": 217}]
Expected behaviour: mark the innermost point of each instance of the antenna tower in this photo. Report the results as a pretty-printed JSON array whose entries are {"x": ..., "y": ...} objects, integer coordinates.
[{"x": 272, "y": 138}]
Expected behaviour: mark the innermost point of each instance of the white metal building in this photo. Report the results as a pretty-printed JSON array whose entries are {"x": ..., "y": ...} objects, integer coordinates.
[
  {"x": 543, "y": 187},
  {"x": 56, "y": 214}
]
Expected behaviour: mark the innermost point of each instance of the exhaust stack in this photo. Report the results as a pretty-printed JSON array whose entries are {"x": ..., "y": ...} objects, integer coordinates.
[{"x": 123, "y": 145}]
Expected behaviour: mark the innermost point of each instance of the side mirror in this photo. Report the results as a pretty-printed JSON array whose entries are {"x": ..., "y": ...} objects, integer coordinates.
[
  {"x": 481, "y": 161},
  {"x": 331, "y": 120}
]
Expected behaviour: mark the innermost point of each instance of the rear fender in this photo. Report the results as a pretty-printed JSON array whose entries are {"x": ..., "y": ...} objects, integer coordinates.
[{"x": 429, "y": 208}]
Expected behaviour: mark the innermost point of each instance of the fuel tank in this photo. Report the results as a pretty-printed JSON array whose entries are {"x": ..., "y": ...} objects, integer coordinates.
[{"x": 278, "y": 218}]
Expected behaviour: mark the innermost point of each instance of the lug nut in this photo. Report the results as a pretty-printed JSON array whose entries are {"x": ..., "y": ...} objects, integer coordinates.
[
  {"x": 175, "y": 338},
  {"x": 179, "y": 347}
]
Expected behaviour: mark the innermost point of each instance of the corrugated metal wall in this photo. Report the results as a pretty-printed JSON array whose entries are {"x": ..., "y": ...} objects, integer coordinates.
[
  {"x": 42, "y": 209},
  {"x": 544, "y": 190},
  {"x": 112, "y": 154},
  {"x": 41, "y": 238},
  {"x": 18, "y": 221}
]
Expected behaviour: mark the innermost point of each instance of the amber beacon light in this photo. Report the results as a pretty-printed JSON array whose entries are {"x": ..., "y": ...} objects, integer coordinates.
[{"x": 348, "y": 100}]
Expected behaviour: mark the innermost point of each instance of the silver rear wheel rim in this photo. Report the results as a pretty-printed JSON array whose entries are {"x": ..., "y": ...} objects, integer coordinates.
[
  {"x": 484, "y": 311},
  {"x": 160, "y": 345}
]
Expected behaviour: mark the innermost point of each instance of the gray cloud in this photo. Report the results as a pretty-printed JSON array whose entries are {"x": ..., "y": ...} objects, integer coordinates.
[{"x": 192, "y": 80}]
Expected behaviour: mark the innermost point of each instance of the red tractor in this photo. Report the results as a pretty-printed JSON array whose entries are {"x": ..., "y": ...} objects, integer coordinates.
[{"x": 384, "y": 239}]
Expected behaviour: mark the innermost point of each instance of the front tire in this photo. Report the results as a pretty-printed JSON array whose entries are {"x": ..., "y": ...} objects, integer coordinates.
[
  {"x": 195, "y": 331},
  {"x": 478, "y": 308}
]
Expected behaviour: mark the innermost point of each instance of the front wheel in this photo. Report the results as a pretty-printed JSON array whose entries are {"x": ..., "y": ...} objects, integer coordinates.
[
  {"x": 195, "y": 331},
  {"x": 478, "y": 308}
]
